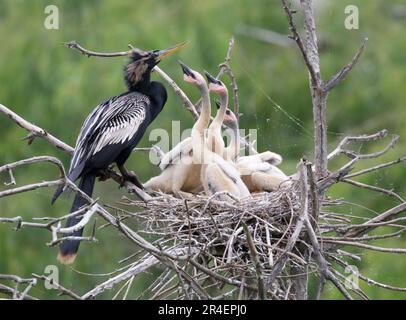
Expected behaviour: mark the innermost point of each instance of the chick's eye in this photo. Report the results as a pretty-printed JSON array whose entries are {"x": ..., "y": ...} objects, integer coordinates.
[{"x": 228, "y": 112}]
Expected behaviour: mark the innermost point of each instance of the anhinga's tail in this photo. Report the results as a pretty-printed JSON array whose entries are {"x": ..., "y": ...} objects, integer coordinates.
[{"x": 69, "y": 248}]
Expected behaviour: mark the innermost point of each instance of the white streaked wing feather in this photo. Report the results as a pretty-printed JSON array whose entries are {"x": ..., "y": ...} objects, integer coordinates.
[
  {"x": 93, "y": 134},
  {"x": 119, "y": 133}
]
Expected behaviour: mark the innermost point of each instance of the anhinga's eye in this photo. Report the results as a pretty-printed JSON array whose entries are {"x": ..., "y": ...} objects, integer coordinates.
[{"x": 228, "y": 112}]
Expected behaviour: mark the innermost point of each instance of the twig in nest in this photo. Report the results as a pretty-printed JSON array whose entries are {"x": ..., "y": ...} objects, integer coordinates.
[{"x": 256, "y": 262}]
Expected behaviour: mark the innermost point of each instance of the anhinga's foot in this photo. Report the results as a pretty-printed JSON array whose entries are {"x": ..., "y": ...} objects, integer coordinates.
[
  {"x": 103, "y": 175},
  {"x": 131, "y": 177}
]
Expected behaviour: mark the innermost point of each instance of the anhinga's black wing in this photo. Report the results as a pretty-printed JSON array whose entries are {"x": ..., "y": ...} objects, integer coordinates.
[{"x": 114, "y": 121}]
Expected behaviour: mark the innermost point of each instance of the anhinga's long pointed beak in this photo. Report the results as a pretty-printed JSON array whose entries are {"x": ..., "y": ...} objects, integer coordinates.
[
  {"x": 186, "y": 70},
  {"x": 166, "y": 52},
  {"x": 212, "y": 79}
]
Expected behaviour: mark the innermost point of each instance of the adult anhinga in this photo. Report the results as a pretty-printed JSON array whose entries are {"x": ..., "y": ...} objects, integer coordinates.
[{"x": 112, "y": 130}]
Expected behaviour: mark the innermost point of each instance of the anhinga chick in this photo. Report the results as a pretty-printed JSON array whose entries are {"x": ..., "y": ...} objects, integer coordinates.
[
  {"x": 112, "y": 130},
  {"x": 215, "y": 138}
]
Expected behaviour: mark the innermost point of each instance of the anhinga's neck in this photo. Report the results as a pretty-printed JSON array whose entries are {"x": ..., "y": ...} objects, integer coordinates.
[
  {"x": 204, "y": 117},
  {"x": 142, "y": 86},
  {"x": 233, "y": 148},
  {"x": 198, "y": 137},
  {"x": 219, "y": 118},
  {"x": 137, "y": 76}
]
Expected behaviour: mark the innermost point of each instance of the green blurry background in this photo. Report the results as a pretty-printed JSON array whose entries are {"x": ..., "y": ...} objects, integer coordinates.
[{"x": 56, "y": 88}]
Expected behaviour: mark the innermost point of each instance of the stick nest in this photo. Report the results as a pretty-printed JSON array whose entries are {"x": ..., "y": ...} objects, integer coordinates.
[{"x": 239, "y": 240}]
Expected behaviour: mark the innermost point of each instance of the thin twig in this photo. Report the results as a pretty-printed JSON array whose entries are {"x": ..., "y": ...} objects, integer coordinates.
[
  {"x": 226, "y": 68},
  {"x": 256, "y": 262},
  {"x": 339, "y": 76}
]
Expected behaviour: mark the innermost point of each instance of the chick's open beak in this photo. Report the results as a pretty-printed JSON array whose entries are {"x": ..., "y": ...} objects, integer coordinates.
[
  {"x": 212, "y": 79},
  {"x": 166, "y": 52},
  {"x": 186, "y": 70}
]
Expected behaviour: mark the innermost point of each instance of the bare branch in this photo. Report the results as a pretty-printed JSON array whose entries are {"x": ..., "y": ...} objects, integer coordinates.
[
  {"x": 280, "y": 263},
  {"x": 71, "y": 238},
  {"x": 373, "y": 188},
  {"x": 341, "y": 173},
  {"x": 30, "y": 187},
  {"x": 368, "y": 246},
  {"x": 30, "y": 282},
  {"x": 28, "y": 161},
  {"x": 256, "y": 262},
  {"x": 58, "y": 287},
  {"x": 369, "y": 280},
  {"x": 362, "y": 138},
  {"x": 80, "y": 225},
  {"x": 137, "y": 268},
  {"x": 323, "y": 265},
  {"x": 34, "y": 130},
  {"x": 339, "y": 76},
  {"x": 380, "y": 166},
  {"x": 311, "y": 45},
  {"x": 314, "y": 73},
  {"x": 14, "y": 293},
  {"x": 74, "y": 45},
  {"x": 225, "y": 67}
]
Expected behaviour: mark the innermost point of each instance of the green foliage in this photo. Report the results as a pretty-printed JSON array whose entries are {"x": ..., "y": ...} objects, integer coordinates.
[{"x": 56, "y": 88}]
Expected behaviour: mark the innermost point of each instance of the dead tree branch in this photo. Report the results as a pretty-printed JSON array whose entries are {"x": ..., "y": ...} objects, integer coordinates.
[
  {"x": 226, "y": 69},
  {"x": 35, "y": 131},
  {"x": 339, "y": 76},
  {"x": 319, "y": 89},
  {"x": 58, "y": 287}
]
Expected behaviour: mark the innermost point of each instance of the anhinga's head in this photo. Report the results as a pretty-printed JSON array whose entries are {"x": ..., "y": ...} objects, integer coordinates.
[
  {"x": 137, "y": 72},
  {"x": 230, "y": 120},
  {"x": 191, "y": 76},
  {"x": 215, "y": 85}
]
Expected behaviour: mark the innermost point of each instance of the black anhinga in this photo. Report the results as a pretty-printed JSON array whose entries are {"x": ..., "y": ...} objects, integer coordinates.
[{"x": 112, "y": 130}]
